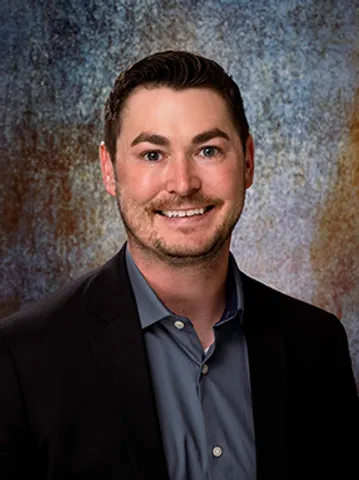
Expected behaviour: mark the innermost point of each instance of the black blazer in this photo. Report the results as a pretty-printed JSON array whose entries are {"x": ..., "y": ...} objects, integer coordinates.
[{"x": 76, "y": 399}]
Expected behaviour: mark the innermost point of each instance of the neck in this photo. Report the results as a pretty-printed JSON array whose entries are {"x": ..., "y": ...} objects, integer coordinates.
[{"x": 197, "y": 292}]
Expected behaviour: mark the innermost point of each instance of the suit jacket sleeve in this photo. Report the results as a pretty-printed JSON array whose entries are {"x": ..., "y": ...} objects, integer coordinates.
[
  {"x": 15, "y": 445},
  {"x": 344, "y": 403}
]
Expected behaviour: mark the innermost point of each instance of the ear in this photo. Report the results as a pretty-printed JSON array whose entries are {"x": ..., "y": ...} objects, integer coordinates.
[
  {"x": 249, "y": 162},
  {"x": 107, "y": 169}
]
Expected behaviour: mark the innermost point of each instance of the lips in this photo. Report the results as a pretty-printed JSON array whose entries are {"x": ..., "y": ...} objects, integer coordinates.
[{"x": 190, "y": 212}]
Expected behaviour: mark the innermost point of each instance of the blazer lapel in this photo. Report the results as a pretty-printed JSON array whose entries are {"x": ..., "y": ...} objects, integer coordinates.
[
  {"x": 268, "y": 373},
  {"x": 120, "y": 350}
]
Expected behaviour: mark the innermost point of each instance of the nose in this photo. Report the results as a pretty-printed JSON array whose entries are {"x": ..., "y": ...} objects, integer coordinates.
[{"x": 181, "y": 176}]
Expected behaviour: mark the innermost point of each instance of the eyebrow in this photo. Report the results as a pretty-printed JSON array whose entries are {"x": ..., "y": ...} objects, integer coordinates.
[
  {"x": 209, "y": 135},
  {"x": 164, "y": 141},
  {"x": 150, "y": 138}
]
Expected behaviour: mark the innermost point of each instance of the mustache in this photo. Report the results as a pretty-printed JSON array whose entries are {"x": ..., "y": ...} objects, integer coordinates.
[{"x": 196, "y": 200}]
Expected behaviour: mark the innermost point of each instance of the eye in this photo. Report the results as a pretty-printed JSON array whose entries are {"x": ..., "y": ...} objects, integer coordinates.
[
  {"x": 209, "y": 151},
  {"x": 152, "y": 156}
]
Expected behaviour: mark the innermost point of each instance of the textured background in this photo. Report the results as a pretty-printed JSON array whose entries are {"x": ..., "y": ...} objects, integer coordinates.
[{"x": 297, "y": 63}]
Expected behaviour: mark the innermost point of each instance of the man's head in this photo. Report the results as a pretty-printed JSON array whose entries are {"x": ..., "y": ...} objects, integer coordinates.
[
  {"x": 177, "y": 70},
  {"x": 178, "y": 157}
]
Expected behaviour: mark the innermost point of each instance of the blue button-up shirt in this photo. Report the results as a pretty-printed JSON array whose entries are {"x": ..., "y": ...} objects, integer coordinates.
[{"x": 203, "y": 398}]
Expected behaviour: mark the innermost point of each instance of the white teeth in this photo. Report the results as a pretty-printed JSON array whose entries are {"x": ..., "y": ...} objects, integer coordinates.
[{"x": 184, "y": 213}]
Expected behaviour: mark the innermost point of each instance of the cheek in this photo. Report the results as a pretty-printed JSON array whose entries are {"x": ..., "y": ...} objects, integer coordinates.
[
  {"x": 139, "y": 185},
  {"x": 228, "y": 182}
]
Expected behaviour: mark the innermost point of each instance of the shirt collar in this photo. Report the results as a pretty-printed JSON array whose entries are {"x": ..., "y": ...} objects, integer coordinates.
[
  {"x": 151, "y": 309},
  {"x": 149, "y": 306},
  {"x": 234, "y": 293}
]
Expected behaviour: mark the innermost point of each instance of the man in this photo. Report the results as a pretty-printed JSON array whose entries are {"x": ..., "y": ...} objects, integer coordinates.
[{"x": 168, "y": 362}]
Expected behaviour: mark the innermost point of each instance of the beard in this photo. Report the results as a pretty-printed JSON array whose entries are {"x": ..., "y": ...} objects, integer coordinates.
[{"x": 138, "y": 222}]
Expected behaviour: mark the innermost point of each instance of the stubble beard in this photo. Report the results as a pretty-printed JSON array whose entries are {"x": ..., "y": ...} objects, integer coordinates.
[{"x": 177, "y": 255}]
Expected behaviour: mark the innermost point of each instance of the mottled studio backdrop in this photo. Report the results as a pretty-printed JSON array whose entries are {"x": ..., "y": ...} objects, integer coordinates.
[{"x": 297, "y": 63}]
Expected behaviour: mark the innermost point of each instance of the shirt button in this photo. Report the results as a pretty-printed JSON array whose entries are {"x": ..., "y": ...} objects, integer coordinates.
[
  {"x": 179, "y": 324},
  {"x": 217, "y": 451},
  {"x": 205, "y": 369}
]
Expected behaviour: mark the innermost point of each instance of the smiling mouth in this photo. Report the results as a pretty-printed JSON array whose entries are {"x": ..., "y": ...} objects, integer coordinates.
[{"x": 191, "y": 212}]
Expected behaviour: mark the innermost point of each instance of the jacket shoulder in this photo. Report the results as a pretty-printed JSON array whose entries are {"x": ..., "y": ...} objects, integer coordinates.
[{"x": 287, "y": 310}]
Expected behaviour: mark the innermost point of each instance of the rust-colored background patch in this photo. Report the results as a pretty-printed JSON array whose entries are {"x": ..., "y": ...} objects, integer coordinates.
[{"x": 335, "y": 245}]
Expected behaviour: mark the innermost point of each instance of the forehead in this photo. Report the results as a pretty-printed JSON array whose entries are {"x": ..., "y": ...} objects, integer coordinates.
[{"x": 166, "y": 108}]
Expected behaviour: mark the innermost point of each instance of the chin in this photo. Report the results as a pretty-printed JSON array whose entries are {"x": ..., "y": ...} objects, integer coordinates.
[{"x": 191, "y": 253}]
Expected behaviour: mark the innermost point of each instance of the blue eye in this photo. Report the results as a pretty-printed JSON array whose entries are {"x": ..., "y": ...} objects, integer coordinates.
[
  {"x": 152, "y": 156},
  {"x": 209, "y": 151}
]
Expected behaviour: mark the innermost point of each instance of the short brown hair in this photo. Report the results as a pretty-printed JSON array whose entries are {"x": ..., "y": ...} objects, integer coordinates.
[{"x": 178, "y": 70}]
